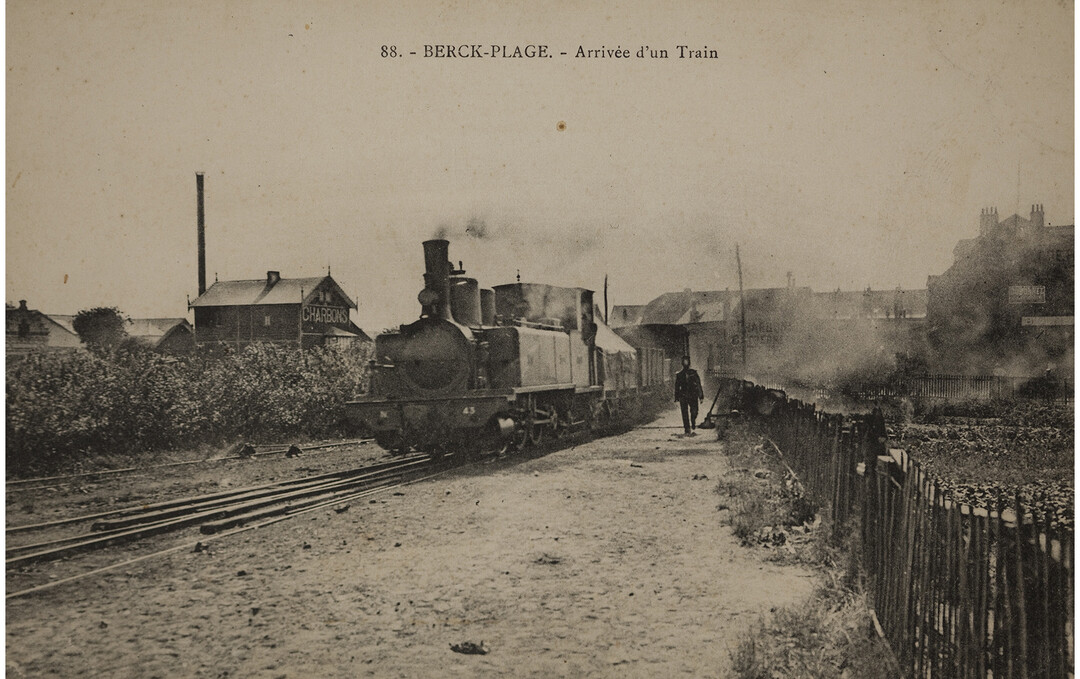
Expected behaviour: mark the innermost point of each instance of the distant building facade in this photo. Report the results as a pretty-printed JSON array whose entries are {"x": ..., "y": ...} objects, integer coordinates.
[
  {"x": 302, "y": 312},
  {"x": 794, "y": 331},
  {"x": 713, "y": 320},
  {"x": 622, "y": 315},
  {"x": 30, "y": 331},
  {"x": 1005, "y": 305}
]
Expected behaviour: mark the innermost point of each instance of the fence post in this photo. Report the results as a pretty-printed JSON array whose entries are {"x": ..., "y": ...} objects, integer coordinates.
[
  {"x": 982, "y": 562},
  {"x": 1021, "y": 608},
  {"x": 957, "y": 591}
]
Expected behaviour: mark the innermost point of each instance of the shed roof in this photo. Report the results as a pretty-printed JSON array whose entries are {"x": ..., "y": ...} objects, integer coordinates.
[
  {"x": 154, "y": 328},
  {"x": 610, "y": 343},
  {"x": 706, "y": 311},
  {"x": 260, "y": 291},
  {"x": 65, "y": 321}
]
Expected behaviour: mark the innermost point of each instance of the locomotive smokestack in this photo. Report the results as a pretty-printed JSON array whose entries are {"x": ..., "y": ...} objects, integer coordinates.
[
  {"x": 436, "y": 279},
  {"x": 202, "y": 232}
]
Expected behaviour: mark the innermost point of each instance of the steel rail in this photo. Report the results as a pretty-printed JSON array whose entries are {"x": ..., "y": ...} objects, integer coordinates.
[
  {"x": 153, "y": 520},
  {"x": 155, "y": 525},
  {"x": 218, "y": 536},
  {"x": 277, "y": 449},
  {"x": 123, "y": 511}
]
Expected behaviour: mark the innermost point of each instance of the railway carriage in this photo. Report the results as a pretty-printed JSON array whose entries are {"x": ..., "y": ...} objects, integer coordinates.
[{"x": 501, "y": 367}]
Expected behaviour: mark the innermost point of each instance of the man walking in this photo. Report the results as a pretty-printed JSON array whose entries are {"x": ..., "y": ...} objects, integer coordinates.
[{"x": 688, "y": 394}]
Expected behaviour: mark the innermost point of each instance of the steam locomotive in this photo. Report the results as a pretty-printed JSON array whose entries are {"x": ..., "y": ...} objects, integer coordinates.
[{"x": 501, "y": 368}]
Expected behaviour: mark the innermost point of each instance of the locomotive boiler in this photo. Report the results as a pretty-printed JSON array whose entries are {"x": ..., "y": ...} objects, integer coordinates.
[{"x": 497, "y": 368}]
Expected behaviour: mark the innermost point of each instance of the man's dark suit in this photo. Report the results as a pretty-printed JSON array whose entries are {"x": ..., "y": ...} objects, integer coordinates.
[{"x": 688, "y": 392}]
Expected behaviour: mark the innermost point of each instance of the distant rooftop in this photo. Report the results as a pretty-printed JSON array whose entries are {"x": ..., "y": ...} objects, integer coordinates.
[
  {"x": 264, "y": 291},
  {"x": 154, "y": 328}
]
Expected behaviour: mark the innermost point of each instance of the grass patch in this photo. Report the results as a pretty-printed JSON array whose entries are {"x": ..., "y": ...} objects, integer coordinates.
[
  {"x": 831, "y": 635},
  {"x": 765, "y": 502}
]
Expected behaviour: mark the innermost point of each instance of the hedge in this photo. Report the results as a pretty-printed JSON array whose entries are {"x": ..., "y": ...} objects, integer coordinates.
[{"x": 65, "y": 407}]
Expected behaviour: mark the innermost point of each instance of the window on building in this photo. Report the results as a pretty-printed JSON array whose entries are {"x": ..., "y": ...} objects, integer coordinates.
[{"x": 266, "y": 320}]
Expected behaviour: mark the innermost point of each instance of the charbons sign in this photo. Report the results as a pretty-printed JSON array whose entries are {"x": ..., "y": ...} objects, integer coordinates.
[{"x": 329, "y": 315}]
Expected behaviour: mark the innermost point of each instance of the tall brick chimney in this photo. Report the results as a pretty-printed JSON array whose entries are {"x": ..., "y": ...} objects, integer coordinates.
[{"x": 202, "y": 232}]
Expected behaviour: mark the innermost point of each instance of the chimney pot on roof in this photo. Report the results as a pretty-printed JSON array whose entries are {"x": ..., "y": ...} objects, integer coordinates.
[
  {"x": 1037, "y": 215},
  {"x": 987, "y": 220},
  {"x": 22, "y": 305},
  {"x": 272, "y": 277}
]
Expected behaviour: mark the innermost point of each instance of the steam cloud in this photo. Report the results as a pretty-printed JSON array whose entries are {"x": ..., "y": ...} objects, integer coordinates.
[{"x": 474, "y": 227}]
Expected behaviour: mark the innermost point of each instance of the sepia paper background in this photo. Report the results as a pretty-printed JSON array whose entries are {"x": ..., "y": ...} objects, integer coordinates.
[{"x": 851, "y": 143}]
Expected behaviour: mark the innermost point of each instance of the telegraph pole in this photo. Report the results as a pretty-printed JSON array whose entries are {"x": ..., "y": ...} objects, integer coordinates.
[
  {"x": 605, "y": 300},
  {"x": 742, "y": 309}
]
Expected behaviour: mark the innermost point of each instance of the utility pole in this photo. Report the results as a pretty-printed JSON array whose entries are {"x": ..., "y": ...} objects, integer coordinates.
[
  {"x": 742, "y": 309},
  {"x": 605, "y": 301}
]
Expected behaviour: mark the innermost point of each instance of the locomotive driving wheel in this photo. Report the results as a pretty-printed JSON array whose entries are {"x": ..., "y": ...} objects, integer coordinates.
[
  {"x": 558, "y": 424},
  {"x": 536, "y": 431},
  {"x": 523, "y": 433},
  {"x": 546, "y": 418},
  {"x": 530, "y": 428}
]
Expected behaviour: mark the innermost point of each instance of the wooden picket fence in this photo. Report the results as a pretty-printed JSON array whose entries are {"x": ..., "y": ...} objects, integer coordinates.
[
  {"x": 958, "y": 591},
  {"x": 930, "y": 386},
  {"x": 965, "y": 387}
]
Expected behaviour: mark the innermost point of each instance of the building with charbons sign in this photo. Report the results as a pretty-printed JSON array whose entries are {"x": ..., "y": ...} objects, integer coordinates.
[{"x": 305, "y": 312}]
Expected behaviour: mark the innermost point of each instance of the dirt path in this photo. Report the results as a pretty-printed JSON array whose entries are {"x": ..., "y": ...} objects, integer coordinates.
[{"x": 606, "y": 559}]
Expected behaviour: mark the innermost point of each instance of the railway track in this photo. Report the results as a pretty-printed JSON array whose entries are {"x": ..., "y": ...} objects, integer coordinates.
[
  {"x": 42, "y": 482},
  {"x": 218, "y": 515},
  {"x": 215, "y": 512}
]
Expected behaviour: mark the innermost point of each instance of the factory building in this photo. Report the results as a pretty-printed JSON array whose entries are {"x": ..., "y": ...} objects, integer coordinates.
[
  {"x": 302, "y": 312},
  {"x": 1005, "y": 305},
  {"x": 299, "y": 312}
]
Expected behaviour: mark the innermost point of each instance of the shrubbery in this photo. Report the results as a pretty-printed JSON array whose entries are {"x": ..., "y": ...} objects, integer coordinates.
[{"x": 65, "y": 407}]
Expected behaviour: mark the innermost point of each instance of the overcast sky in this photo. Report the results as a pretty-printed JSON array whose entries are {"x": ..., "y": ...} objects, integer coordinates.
[{"x": 851, "y": 143}]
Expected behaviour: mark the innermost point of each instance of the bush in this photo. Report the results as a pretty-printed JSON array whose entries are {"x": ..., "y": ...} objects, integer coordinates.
[{"x": 63, "y": 408}]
